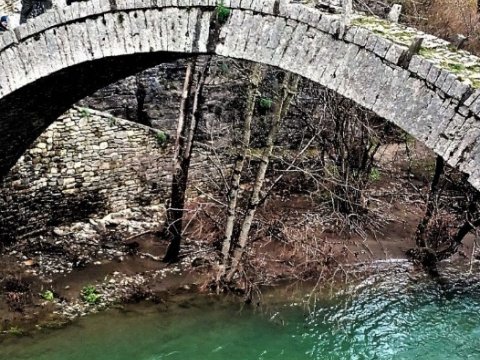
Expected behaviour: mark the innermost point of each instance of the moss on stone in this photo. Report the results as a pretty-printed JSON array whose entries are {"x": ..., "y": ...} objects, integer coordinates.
[
  {"x": 453, "y": 67},
  {"x": 475, "y": 83},
  {"x": 428, "y": 53},
  {"x": 437, "y": 51},
  {"x": 369, "y": 20},
  {"x": 385, "y": 28}
]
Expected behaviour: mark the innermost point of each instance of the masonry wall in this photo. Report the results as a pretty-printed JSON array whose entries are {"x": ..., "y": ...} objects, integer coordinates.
[{"x": 86, "y": 163}]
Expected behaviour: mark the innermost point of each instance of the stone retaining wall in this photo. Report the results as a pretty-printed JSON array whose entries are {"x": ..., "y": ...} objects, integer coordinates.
[{"x": 86, "y": 163}]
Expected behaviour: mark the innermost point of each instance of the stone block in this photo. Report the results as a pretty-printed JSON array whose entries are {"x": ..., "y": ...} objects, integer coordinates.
[
  {"x": 424, "y": 68},
  {"x": 415, "y": 63},
  {"x": 458, "y": 89},
  {"x": 361, "y": 37},
  {"x": 382, "y": 46}
]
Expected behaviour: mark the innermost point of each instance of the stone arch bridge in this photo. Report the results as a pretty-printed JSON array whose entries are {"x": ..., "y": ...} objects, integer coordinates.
[{"x": 65, "y": 54}]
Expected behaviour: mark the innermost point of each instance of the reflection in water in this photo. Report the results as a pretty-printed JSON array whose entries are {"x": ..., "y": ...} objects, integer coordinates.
[{"x": 387, "y": 316}]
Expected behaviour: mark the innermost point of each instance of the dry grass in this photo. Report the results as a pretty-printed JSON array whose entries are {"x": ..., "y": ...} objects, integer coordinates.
[{"x": 446, "y": 19}]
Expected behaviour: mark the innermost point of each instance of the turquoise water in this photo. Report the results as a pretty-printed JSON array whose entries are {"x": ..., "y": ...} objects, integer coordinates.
[{"x": 387, "y": 316}]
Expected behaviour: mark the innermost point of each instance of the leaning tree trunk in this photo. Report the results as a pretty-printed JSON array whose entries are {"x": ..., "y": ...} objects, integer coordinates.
[
  {"x": 190, "y": 113},
  {"x": 254, "y": 82},
  {"x": 421, "y": 233},
  {"x": 288, "y": 90}
]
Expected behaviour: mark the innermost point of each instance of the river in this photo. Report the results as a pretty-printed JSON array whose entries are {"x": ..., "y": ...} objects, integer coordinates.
[{"x": 388, "y": 315}]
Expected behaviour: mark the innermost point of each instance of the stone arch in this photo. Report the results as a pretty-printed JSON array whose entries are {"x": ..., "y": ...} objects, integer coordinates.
[{"x": 63, "y": 55}]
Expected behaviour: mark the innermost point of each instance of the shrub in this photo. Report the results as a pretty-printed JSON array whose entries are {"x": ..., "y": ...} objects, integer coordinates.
[
  {"x": 161, "y": 138},
  {"x": 223, "y": 66},
  {"x": 14, "y": 330},
  {"x": 90, "y": 294},
  {"x": 112, "y": 122},
  {"x": 84, "y": 113},
  {"x": 265, "y": 103},
  {"x": 374, "y": 174},
  {"x": 48, "y": 295}
]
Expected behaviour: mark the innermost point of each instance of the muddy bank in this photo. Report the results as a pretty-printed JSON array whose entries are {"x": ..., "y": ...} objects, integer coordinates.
[{"x": 84, "y": 267}]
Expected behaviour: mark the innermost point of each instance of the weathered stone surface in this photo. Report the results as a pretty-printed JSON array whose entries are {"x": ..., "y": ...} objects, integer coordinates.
[{"x": 95, "y": 43}]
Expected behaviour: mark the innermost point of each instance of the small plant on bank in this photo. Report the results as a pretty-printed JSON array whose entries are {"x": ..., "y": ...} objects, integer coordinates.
[
  {"x": 15, "y": 330},
  {"x": 161, "y": 138},
  {"x": 265, "y": 103},
  {"x": 223, "y": 68},
  {"x": 112, "y": 122},
  {"x": 84, "y": 113},
  {"x": 90, "y": 294},
  {"x": 222, "y": 13},
  {"x": 48, "y": 295},
  {"x": 374, "y": 174}
]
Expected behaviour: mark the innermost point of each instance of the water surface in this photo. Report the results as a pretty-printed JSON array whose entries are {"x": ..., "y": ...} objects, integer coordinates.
[{"x": 387, "y": 316}]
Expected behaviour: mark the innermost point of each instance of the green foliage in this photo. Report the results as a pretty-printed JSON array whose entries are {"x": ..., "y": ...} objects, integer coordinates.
[
  {"x": 265, "y": 103},
  {"x": 161, "y": 138},
  {"x": 374, "y": 174},
  {"x": 14, "y": 330},
  {"x": 454, "y": 67},
  {"x": 428, "y": 53},
  {"x": 385, "y": 29},
  {"x": 48, "y": 295},
  {"x": 84, "y": 113},
  {"x": 222, "y": 13},
  {"x": 90, "y": 294}
]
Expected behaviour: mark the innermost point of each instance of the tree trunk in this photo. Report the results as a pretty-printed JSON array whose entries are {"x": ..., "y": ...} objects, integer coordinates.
[
  {"x": 468, "y": 225},
  {"x": 420, "y": 235},
  {"x": 190, "y": 114},
  {"x": 288, "y": 90},
  {"x": 254, "y": 82}
]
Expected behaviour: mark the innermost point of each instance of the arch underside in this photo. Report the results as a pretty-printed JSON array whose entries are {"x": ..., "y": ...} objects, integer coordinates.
[{"x": 65, "y": 55}]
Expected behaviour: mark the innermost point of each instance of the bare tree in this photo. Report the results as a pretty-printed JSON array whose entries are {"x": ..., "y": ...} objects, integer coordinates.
[
  {"x": 347, "y": 138},
  {"x": 431, "y": 205},
  {"x": 189, "y": 117},
  {"x": 282, "y": 102},
  {"x": 254, "y": 82}
]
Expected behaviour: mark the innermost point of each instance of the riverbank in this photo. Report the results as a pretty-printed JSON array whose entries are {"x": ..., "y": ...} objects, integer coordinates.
[
  {"x": 388, "y": 314},
  {"x": 86, "y": 266},
  {"x": 44, "y": 285}
]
